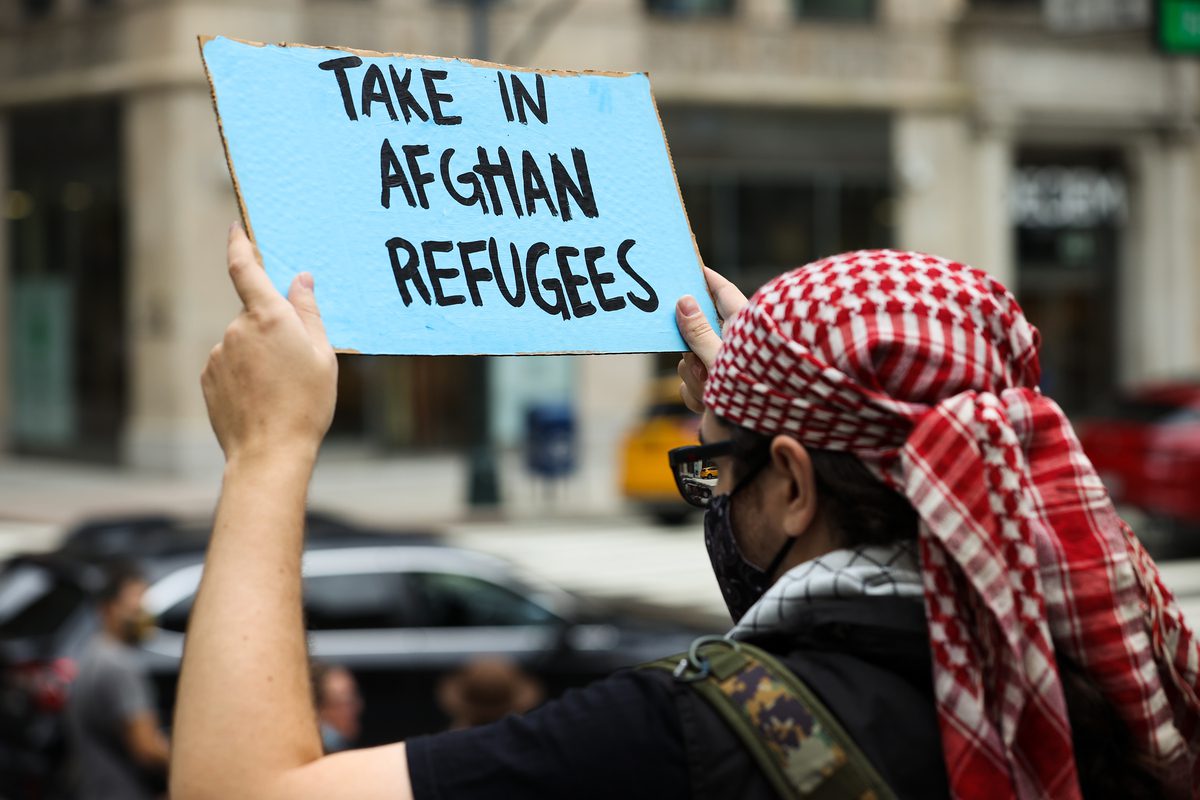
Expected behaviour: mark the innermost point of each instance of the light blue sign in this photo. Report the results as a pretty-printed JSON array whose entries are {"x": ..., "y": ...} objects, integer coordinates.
[{"x": 454, "y": 207}]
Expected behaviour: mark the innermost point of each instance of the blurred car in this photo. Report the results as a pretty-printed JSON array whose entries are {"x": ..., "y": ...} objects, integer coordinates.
[
  {"x": 42, "y": 623},
  {"x": 399, "y": 610},
  {"x": 1148, "y": 452},
  {"x": 646, "y": 479}
]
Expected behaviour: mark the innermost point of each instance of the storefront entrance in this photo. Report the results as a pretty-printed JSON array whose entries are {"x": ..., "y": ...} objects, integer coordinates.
[
  {"x": 1069, "y": 211},
  {"x": 66, "y": 331}
]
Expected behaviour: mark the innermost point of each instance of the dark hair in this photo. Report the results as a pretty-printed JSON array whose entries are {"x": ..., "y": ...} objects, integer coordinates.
[
  {"x": 116, "y": 575},
  {"x": 863, "y": 511}
]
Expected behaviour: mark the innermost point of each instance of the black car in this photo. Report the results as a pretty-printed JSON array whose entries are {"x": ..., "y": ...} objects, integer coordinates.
[{"x": 398, "y": 610}]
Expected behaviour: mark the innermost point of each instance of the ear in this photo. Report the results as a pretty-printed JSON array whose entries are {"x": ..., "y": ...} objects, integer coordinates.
[{"x": 798, "y": 486}]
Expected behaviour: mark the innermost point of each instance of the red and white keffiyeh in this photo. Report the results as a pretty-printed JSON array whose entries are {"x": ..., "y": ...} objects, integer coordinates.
[{"x": 927, "y": 370}]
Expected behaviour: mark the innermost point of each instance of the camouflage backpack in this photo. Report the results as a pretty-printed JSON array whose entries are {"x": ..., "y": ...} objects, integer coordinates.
[{"x": 800, "y": 747}]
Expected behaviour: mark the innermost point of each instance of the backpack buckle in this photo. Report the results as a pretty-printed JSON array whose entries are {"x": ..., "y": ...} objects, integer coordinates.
[{"x": 701, "y": 665}]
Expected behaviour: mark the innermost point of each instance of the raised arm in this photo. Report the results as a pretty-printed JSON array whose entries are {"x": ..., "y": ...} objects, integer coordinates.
[{"x": 244, "y": 722}]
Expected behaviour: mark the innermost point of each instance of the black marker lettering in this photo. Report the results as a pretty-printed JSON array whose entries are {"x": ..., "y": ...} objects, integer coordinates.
[
  {"x": 515, "y": 299},
  {"x": 374, "y": 90},
  {"x": 535, "y": 185},
  {"x": 522, "y": 99},
  {"x": 508, "y": 112},
  {"x": 339, "y": 67},
  {"x": 503, "y": 169},
  {"x": 437, "y": 275},
  {"x": 582, "y": 192},
  {"x": 409, "y": 272},
  {"x": 474, "y": 275},
  {"x": 601, "y": 279},
  {"x": 467, "y": 179},
  {"x": 572, "y": 282},
  {"x": 408, "y": 103},
  {"x": 536, "y": 251},
  {"x": 436, "y": 98},
  {"x": 391, "y": 175},
  {"x": 648, "y": 303},
  {"x": 420, "y": 177}
]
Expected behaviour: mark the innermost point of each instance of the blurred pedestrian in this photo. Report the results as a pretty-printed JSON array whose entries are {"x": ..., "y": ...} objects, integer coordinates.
[
  {"x": 932, "y": 593},
  {"x": 486, "y": 690},
  {"x": 117, "y": 748},
  {"x": 339, "y": 706}
]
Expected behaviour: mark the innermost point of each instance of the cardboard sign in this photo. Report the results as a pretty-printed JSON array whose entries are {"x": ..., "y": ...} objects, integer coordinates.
[{"x": 456, "y": 207}]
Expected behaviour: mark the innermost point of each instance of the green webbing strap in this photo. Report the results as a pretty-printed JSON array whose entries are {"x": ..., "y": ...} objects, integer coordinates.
[{"x": 803, "y": 751}]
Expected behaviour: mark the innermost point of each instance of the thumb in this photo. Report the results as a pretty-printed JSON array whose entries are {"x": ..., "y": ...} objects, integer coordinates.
[
  {"x": 696, "y": 330},
  {"x": 302, "y": 298}
]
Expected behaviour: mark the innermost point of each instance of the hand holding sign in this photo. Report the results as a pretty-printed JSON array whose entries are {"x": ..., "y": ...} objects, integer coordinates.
[
  {"x": 702, "y": 340},
  {"x": 452, "y": 207},
  {"x": 271, "y": 383}
]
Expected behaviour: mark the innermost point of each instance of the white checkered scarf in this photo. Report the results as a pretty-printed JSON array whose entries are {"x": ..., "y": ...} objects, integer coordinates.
[
  {"x": 927, "y": 370},
  {"x": 871, "y": 571}
]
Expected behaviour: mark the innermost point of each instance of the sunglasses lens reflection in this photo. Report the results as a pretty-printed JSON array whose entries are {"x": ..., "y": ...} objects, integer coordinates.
[{"x": 697, "y": 479}]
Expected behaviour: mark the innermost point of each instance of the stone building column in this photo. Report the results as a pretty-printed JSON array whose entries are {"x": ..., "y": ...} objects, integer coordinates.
[
  {"x": 1159, "y": 286},
  {"x": 990, "y": 236},
  {"x": 931, "y": 157},
  {"x": 180, "y": 204},
  {"x": 952, "y": 189}
]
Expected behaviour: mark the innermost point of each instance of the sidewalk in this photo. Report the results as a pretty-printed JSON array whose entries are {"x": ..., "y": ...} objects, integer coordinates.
[{"x": 39, "y": 499}]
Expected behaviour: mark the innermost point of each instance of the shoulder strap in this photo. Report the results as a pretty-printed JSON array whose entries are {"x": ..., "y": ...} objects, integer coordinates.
[{"x": 801, "y": 748}]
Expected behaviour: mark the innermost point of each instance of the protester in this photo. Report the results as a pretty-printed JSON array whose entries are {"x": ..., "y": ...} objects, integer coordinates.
[
  {"x": 892, "y": 508},
  {"x": 116, "y": 746},
  {"x": 486, "y": 690},
  {"x": 339, "y": 706}
]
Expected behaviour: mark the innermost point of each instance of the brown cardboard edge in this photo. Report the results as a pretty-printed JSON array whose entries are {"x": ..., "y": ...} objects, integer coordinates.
[
  {"x": 679, "y": 194},
  {"x": 568, "y": 73},
  {"x": 237, "y": 187}
]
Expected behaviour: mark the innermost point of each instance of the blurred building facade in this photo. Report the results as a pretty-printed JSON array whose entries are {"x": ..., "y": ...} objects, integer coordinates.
[{"x": 1045, "y": 142}]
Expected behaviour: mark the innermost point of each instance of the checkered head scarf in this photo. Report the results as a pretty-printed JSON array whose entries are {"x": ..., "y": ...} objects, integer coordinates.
[{"x": 927, "y": 370}]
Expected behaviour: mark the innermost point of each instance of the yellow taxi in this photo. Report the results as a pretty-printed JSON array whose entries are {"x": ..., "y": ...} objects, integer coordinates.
[{"x": 646, "y": 479}]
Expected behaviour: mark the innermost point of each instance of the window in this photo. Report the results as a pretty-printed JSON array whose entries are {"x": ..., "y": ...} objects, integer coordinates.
[
  {"x": 354, "y": 602},
  {"x": 331, "y": 602},
  {"x": 834, "y": 9},
  {"x": 36, "y": 9},
  {"x": 175, "y": 618},
  {"x": 458, "y": 601},
  {"x": 690, "y": 8},
  {"x": 768, "y": 190}
]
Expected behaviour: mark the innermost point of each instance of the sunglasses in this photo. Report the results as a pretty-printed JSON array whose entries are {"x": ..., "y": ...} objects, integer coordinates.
[{"x": 695, "y": 470}]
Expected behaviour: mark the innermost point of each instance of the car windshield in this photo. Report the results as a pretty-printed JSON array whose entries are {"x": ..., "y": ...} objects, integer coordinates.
[{"x": 34, "y": 601}]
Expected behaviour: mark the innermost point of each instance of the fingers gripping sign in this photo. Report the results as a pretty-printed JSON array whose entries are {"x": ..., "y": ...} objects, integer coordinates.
[
  {"x": 700, "y": 336},
  {"x": 271, "y": 383}
]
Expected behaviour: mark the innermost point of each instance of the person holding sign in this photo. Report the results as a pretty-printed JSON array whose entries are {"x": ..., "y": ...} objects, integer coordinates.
[{"x": 892, "y": 510}]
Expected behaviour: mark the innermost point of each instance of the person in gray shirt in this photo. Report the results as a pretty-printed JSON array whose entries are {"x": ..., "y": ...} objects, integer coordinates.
[{"x": 118, "y": 750}]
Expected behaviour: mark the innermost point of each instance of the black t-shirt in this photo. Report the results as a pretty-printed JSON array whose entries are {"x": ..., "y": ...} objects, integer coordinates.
[
  {"x": 640, "y": 734},
  {"x": 617, "y": 738}
]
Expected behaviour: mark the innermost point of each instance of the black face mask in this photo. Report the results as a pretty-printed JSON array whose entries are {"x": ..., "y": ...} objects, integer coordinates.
[{"x": 742, "y": 583}]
